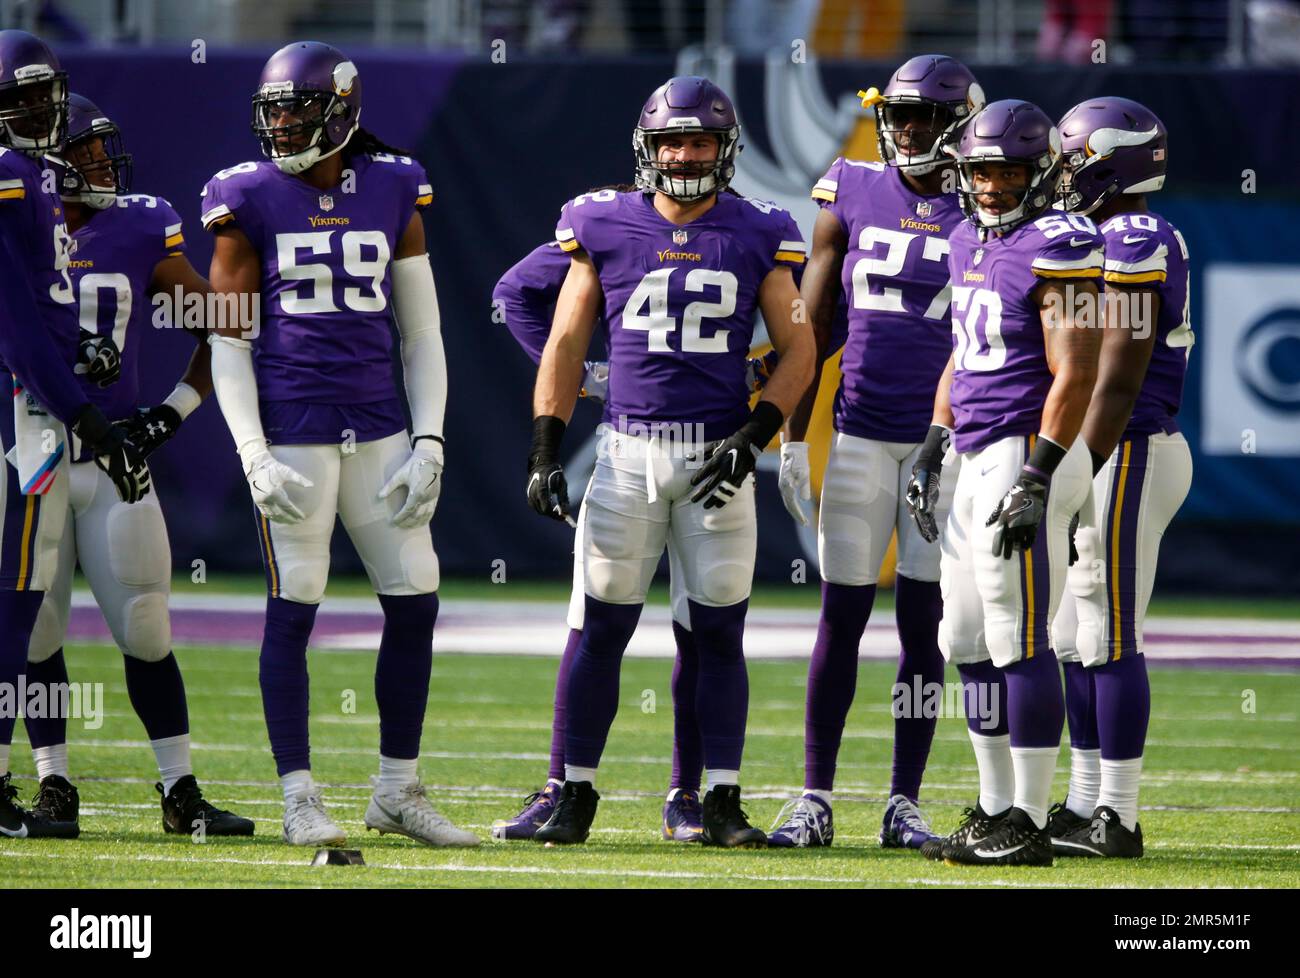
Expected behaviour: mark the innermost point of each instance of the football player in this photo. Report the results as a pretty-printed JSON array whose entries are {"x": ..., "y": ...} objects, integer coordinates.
[
  {"x": 880, "y": 244},
  {"x": 41, "y": 346},
  {"x": 682, "y": 270},
  {"x": 1025, "y": 340},
  {"x": 325, "y": 230},
  {"x": 1115, "y": 154},
  {"x": 127, "y": 247}
]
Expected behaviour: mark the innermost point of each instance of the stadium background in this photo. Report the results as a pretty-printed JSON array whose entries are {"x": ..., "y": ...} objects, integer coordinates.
[{"x": 511, "y": 121}]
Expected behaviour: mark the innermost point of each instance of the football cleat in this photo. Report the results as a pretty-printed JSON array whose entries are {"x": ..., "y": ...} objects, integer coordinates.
[
  {"x": 1061, "y": 821},
  {"x": 186, "y": 812},
  {"x": 407, "y": 812},
  {"x": 537, "y": 809},
  {"x": 306, "y": 823},
  {"x": 56, "y": 799},
  {"x": 803, "y": 823},
  {"x": 570, "y": 823},
  {"x": 1102, "y": 835},
  {"x": 904, "y": 826},
  {"x": 683, "y": 817},
  {"x": 1015, "y": 841},
  {"x": 976, "y": 824},
  {"x": 725, "y": 822},
  {"x": 18, "y": 823}
]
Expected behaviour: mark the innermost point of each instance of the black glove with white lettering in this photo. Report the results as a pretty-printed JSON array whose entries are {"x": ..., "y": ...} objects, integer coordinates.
[
  {"x": 98, "y": 359},
  {"x": 548, "y": 492},
  {"x": 733, "y": 459},
  {"x": 150, "y": 428},
  {"x": 114, "y": 453},
  {"x": 923, "y": 487},
  {"x": 1022, "y": 509}
]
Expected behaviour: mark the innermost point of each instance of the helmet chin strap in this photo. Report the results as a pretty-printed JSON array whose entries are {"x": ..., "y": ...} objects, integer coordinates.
[{"x": 307, "y": 158}]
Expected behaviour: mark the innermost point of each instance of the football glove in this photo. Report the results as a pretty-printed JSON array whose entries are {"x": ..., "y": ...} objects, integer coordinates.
[
  {"x": 98, "y": 359},
  {"x": 114, "y": 453},
  {"x": 1017, "y": 516},
  {"x": 595, "y": 384},
  {"x": 795, "y": 479},
  {"x": 923, "y": 487},
  {"x": 269, "y": 482},
  {"x": 733, "y": 459},
  {"x": 150, "y": 428},
  {"x": 421, "y": 473}
]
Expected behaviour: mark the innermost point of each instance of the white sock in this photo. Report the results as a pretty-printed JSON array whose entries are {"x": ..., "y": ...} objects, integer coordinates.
[
  {"x": 717, "y": 778},
  {"x": 997, "y": 776},
  {"x": 396, "y": 773},
  {"x": 1119, "y": 789},
  {"x": 1034, "y": 767},
  {"x": 173, "y": 756},
  {"x": 51, "y": 760},
  {"x": 1085, "y": 781},
  {"x": 555, "y": 781},
  {"x": 820, "y": 795},
  {"x": 574, "y": 773},
  {"x": 297, "y": 783}
]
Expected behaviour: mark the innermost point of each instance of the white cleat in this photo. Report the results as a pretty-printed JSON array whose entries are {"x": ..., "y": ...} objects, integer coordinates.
[
  {"x": 306, "y": 823},
  {"x": 407, "y": 812}
]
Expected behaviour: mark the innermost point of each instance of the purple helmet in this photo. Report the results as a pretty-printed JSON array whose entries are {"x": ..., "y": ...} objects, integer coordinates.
[
  {"x": 686, "y": 104},
  {"x": 307, "y": 106},
  {"x": 33, "y": 95},
  {"x": 1111, "y": 146},
  {"x": 1009, "y": 131},
  {"x": 933, "y": 89},
  {"x": 94, "y": 175}
]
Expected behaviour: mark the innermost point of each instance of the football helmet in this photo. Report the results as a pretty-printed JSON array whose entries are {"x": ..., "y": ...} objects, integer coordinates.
[
  {"x": 33, "y": 95},
  {"x": 1111, "y": 146},
  {"x": 686, "y": 104},
  {"x": 1009, "y": 131},
  {"x": 307, "y": 105},
  {"x": 932, "y": 84},
  {"x": 94, "y": 173}
]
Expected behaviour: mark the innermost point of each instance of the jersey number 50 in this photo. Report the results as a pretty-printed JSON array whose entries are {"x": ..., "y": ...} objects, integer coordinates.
[{"x": 969, "y": 307}]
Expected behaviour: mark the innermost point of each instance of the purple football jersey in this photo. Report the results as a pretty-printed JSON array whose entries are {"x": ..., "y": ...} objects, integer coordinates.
[
  {"x": 1143, "y": 249},
  {"x": 114, "y": 256},
  {"x": 1000, "y": 374},
  {"x": 897, "y": 293},
  {"x": 326, "y": 327},
  {"x": 34, "y": 227},
  {"x": 526, "y": 294},
  {"x": 681, "y": 302}
]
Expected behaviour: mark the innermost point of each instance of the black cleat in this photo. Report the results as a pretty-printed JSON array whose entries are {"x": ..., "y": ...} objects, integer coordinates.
[
  {"x": 17, "y": 823},
  {"x": 1015, "y": 841},
  {"x": 570, "y": 823},
  {"x": 1103, "y": 835},
  {"x": 726, "y": 824},
  {"x": 1061, "y": 821},
  {"x": 57, "y": 799},
  {"x": 185, "y": 811},
  {"x": 976, "y": 824}
]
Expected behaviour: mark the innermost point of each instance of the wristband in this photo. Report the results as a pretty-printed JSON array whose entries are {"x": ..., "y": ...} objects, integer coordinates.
[
  {"x": 183, "y": 400},
  {"x": 547, "y": 432},
  {"x": 764, "y": 422},
  {"x": 1043, "y": 460}
]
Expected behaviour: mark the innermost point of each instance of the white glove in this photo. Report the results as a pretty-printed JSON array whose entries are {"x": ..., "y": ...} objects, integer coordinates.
[
  {"x": 596, "y": 382},
  {"x": 421, "y": 473},
  {"x": 795, "y": 479},
  {"x": 269, "y": 481}
]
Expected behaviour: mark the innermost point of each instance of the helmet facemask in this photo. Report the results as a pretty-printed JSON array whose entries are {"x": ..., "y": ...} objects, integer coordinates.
[
  {"x": 894, "y": 114},
  {"x": 98, "y": 167},
  {"x": 1038, "y": 194},
  {"x": 302, "y": 141},
  {"x": 686, "y": 181},
  {"x": 34, "y": 112}
]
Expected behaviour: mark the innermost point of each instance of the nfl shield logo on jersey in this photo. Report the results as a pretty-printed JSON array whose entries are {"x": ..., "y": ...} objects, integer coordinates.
[
  {"x": 924, "y": 208},
  {"x": 679, "y": 237},
  {"x": 326, "y": 202},
  {"x": 978, "y": 256}
]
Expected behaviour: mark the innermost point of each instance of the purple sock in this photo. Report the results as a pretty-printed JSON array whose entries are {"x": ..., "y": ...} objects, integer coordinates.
[
  {"x": 918, "y": 606},
  {"x": 688, "y": 757},
  {"x": 592, "y": 697},
  {"x": 158, "y": 694},
  {"x": 832, "y": 678},
  {"x": 984, "y": 694},
  {"x": 18, "y": 610},
  {"x": 561, "y": 705},
  {"x": 47, "y": 731},
  {"x": 402, "y": 671},
  {"x": 1080, "y": 705},
  {"x": 722, "y": 693},
  {"x": 1035, "y": 703},
  {"x": 1123, "y": 707},
  {"x": 282, "y": 674}
]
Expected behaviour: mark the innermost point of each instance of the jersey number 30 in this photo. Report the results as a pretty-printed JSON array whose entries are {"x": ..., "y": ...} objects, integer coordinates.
[{"x": 647, "y": 310}]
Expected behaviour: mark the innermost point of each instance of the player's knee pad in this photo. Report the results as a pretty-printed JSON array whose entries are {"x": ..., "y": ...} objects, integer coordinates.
[
  {"x": 614, "y": 561},
  {"x": 418, "y": 565},
  {"x": 723, "y": 584},
  {"x": 302, "y": 580},
  {"x": 1003, "y": 640},
  {"x": 962, "y": 643},
  {"x": 145, "y": 629},
  {"x": 138, "y": 552}
]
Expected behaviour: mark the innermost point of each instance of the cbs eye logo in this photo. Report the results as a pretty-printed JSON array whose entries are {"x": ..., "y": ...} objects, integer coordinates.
[{"x": 1268, "y": 359}]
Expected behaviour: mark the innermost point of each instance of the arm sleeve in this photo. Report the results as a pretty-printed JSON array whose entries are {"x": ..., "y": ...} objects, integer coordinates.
[
  {"x": 235, "y": 384},
  {"x": 424, "y": 361}
]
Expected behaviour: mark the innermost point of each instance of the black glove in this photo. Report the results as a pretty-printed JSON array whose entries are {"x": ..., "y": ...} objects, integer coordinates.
[
  {"x": 98, "y": 359},
  {"x": 1074, "y": 551},
  {"x": 734, "y": 458},
  {"x": 151, "y": 428},
  {"x": 114, "y": 453},
  {"x": 1017, "y": 516},
  {"x": 923, "y": 487},
  {"x": 548, "y": 492}
]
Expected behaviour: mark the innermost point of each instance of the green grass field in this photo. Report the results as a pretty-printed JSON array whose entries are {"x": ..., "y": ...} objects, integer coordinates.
[{"x": 1219, "y": 801}]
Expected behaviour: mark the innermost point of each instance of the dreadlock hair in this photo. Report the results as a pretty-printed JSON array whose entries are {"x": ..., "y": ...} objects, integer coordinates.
[
  {"x": 364, "y": 141},
  {"x": 622, "y": 188}
]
